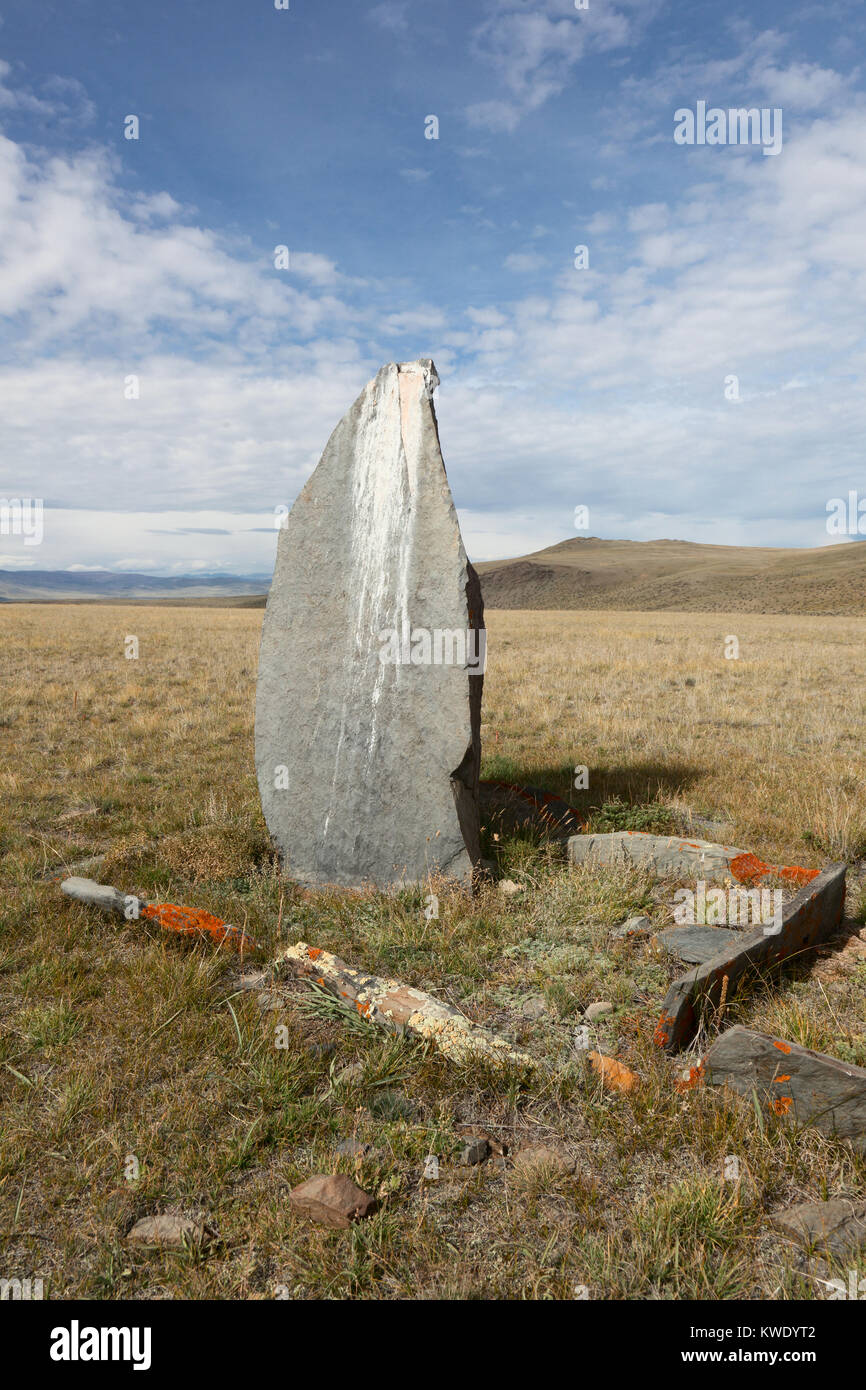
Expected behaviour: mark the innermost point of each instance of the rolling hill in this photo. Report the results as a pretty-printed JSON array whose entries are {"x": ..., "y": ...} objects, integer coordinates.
[{"x": 680, "y": 576}]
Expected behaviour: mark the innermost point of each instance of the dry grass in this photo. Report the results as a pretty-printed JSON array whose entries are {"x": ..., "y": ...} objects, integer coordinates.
[{"x": 117, "y": 1041}]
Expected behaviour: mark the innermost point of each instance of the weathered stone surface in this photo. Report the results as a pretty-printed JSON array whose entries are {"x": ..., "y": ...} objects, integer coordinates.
[
  {"x": 85, "y": 890},
  {"x": 694, "y": 945},
  {"x": 534, "y": 1008},
  {"x": 668, "y": 856},
  {"x": 166, "y": 1232},
  {"x": 805, "y": 1087},
  {"x": 633, "y": 930},
  {"x": 401, "y": 1008},
  {"x": 332, "y": 1200},
  {"x": 543, "y": 1159},
  {"x": 809, "y": 918},
  {"x": 380, "y": 757},
  {"x": 597, "y": 1009},
  {"x": 476, "y": 1151},
  {"x": 837, "y": 1227}
]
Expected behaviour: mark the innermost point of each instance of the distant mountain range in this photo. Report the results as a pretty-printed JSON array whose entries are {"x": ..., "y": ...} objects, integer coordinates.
[
  {"x": 582, "y": 572},
  {"x": 53, "y": 586}
]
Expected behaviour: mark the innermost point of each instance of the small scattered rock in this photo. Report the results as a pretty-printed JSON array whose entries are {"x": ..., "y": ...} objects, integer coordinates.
[
  {"x": 348, "y": 1075},
  {"x": 332, "y": 1199},
  {"x": 253, "y": 979},
  {"x": 837, "y": 1227},
  {"x": 598, "y": 1009},
  {"x": 633, "y": 929},
  {"x": 476, "y": 1151},
  {"x": 614, "y": 1076},
  {"x": 166, "y": 1232},
  {"x": 537, "y": 1158},
  {"x": 472, "y": 1131},
  {"x": 534, "y": 1008},
  {"x": 509, "y": 887}
]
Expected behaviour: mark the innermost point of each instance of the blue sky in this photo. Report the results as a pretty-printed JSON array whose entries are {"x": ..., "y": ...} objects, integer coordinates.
[{"x": 607, "y": 386}]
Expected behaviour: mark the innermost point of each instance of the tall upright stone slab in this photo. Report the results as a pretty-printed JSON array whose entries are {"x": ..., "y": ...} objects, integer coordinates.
[{"x": 368, "y": 709}]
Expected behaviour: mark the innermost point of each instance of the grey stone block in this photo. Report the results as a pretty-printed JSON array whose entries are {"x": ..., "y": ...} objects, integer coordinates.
[
  {"x": 836, "y": 1228},
  {"x": 667, "y": 856},
  {"x": 802, "y": 1086}
]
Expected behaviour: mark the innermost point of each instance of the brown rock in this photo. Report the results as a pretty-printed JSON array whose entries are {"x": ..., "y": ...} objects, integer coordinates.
[
  {"x": 614, "y": 1076},
  {"x": 167, "y": 1232},
  {"x": 542, "y": 1157},
  {"x": 332, "y": 1200},
  {"x": 835, "y": 1228}
]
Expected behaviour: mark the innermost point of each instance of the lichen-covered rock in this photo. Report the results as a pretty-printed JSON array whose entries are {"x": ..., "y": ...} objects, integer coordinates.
[
  {"x": 799, "y": 1085},
  {"x": 368, "y": 710}
]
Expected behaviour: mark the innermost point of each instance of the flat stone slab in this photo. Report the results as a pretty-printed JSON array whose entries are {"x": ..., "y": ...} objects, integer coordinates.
[
  {"x": 694, "y": 945},
  {"x": 667, "y": 856},
  {"x": 836, "y": 1228},
  {"x": 804, "y": 1087},
  {"x": 808, "y": 919},
  {"x": 166, "y": 1232},
  {"x": 332, "y": 1199},
  {"x": 368, "y": 707}
]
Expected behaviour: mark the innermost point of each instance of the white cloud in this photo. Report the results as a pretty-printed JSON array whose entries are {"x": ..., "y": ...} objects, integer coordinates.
[
  {"x": 523, "y": 262},
  {"x": 390, "y": 15},
  {"x": 533, "y": 51}
]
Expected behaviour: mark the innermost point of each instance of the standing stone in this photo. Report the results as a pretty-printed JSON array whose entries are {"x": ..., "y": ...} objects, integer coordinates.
[{"x": 368, "y": 710}]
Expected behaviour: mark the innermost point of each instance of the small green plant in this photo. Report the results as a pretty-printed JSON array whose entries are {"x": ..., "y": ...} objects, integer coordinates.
[{"x": 620, "y": 815}]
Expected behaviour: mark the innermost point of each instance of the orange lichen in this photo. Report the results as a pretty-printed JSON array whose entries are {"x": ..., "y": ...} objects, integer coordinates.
[
  {"x": 783, "y": 1104},
  {"x": 748, "y": 868},
  {"x": 194, "y": 921},
  {"x": 694, "y": 1077},
  {"x": 783, "y": 1047},
  {"x": 661, "y": 1036},
  {"x": 613, "y": 1074},
  {"x": 779, "y": 1079}
]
